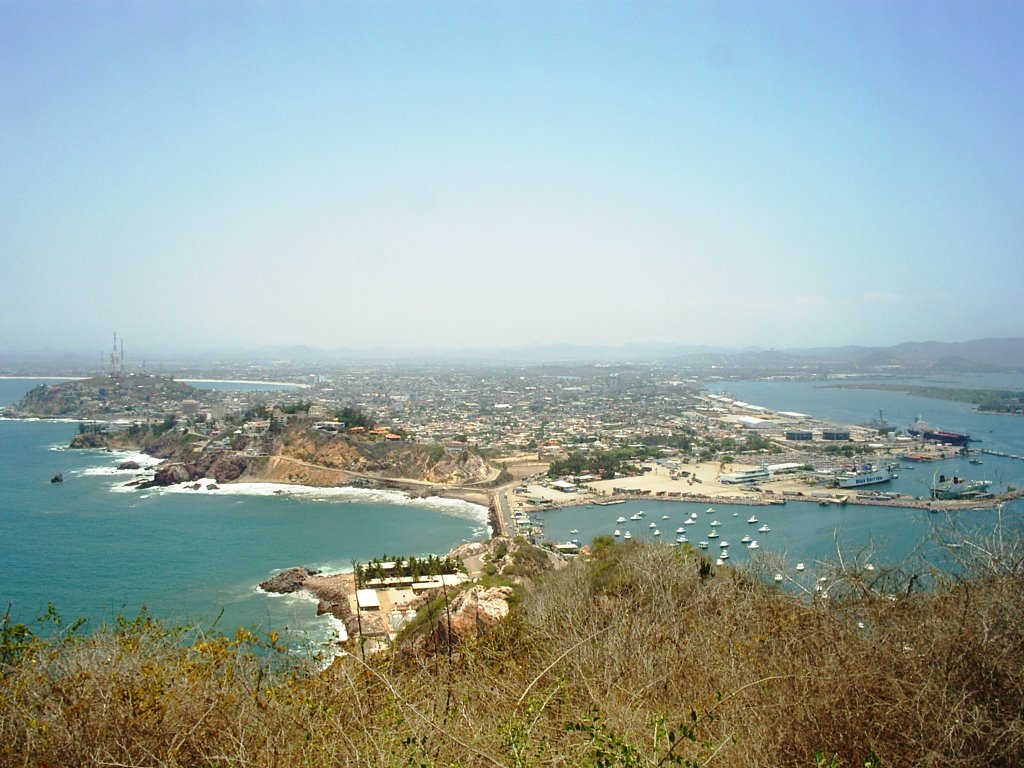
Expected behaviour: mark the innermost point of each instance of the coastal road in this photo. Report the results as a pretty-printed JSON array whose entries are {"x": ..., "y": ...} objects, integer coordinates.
[{"x": 504, "y": 508}]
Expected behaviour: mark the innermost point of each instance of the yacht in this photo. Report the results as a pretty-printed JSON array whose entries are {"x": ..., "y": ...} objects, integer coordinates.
[
  {"x": 713, "y": 534},
  {"x": 715, "y": 523},
  {"x": 656, "y": 532},
  {"x": 710, "y": 511},
  {"x": 800, "y": 566},
  {"x": 574, "y": 531},
  {"x": 746, "y": 539},
  {"x": 693, "y": 515},
  {"x": 620, "y": 519},
  {"x": 680, "y": 529},
  {"x": 778, "y": 577},
  {"x": 664, "y": 517},
  {"x": 764, "y": 528},
  {"x": 703, "y": 545},
  {"x": 723, "y": 555},
  {"x": 752, "y": 519},
  {"x": 681, "y": 539},
  {"x": 635, "y": 516},
  {"x": 617, "y": 533},
  {"x": 689, "y": 521},
  {"x": 719, "y": 561},
  {"x": 724, "y": 545},
  {"x": 651, "y": 525},
  {"x": 735, "y": 514},
  {"x": 627, "y": 535},
  {"x": 753, "y": 545}
]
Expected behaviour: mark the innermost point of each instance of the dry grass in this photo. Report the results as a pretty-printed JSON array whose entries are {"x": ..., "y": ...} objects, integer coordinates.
[{"x": 640, "y": 657}]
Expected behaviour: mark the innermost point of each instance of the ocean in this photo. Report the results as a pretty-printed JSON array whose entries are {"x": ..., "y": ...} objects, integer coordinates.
[{"x": 96, "y": 550}]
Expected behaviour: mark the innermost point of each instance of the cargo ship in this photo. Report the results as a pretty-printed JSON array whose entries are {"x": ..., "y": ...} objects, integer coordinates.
[
  {"x": 869, "y": 474},
  {"x": 921, "y": 428}
]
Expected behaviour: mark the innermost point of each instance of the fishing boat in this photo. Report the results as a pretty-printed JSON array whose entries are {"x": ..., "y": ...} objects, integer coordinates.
[
  {"x": 702, "y": 544},
  {"x": 617, "y": 533},
  {"x": 724, "y": 545},
  {"x": 656, "y": 532},
  {"x": 627, "y": 535},
  {"x": 709, "y": 511},
  {"x": 713, "y": 534},
  {"x": 753, "y": 545},
  {"x": 681, "y": 539},
  {"x": 723, "y": 555},
  {"x": 635, "y": 516},
  {"x": 764, "y": 528},
  {"x": 800, "y": 566},
  {"x": 746, "y": 539},
  {"x": 652, "y": 525},
  {"x": 574, "y": 531},
  {"x": 715, "y": 523},
  {"x": 680, "y": 529},
  {"x": 620, "y": 519},
  {"x": 752, "y": 519},
  {"x": 779, "y": 577}
]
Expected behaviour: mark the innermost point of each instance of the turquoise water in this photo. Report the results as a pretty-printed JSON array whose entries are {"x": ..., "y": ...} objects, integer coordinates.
[{"x": 95, "y": 551}]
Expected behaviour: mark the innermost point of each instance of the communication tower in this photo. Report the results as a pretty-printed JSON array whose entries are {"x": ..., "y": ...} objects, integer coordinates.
[{"x": 116, "y": 359}]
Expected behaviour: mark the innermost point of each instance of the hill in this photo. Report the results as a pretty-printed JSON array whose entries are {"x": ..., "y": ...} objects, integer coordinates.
[{"x": 639, "y": 656}]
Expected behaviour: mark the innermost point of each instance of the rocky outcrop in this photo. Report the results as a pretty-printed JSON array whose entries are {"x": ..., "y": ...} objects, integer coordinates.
[
  {"x": 471, "y": 613},
  {"x": 129, "y": 465},
  {"x": 288, "y": 581}
]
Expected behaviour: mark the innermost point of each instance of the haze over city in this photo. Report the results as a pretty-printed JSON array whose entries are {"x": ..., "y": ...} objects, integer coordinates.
[{"x": 237, "y": 175}]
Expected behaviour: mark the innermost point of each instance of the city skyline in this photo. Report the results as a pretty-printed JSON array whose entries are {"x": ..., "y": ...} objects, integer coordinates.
[{"x": 363, "y": 175}]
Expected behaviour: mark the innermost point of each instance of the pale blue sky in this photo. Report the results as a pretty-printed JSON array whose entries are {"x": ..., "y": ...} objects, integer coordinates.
[{"x": 345, "y": 174}]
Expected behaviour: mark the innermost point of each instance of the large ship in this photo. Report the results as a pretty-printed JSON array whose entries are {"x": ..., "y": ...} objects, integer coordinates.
[
  {"x": 869, "y": 474},
  {"x": 921, "y": 428},
  {"x": 949, "y": 488}
]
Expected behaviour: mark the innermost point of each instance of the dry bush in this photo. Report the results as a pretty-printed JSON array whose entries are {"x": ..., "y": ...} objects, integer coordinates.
[{"x": 644, "y": 655}]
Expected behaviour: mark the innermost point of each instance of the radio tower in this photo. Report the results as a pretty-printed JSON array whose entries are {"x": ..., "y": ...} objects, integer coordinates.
[{"x": 115, "y": 358}]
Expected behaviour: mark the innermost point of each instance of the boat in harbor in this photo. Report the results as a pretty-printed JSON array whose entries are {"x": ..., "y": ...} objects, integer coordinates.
[
  {"x": 620, "y": 519},
  {"x": 635, "y": 516},
  {"x": 723, "y": 555},
  {"x": 652, "y": 525},
  {"x": 627, "y": 535},
  {"x": 764, "y": 528},
  {"x": 681, "y": 539},
  {"x": 680, "y": 529},
  {"x": 921, "y": 428},
  {"x": 752, "y": 519},
  {"x": 713, "y": 534},
  {"x": 574, "y": 531},
  {"x": 746, "y": 539},
  {"x": 709, "y": 511},
  {"x": 953, "y": 488},
  {"x": 800, "y": 566},
  {"x": 715, "y": 523},
  {"x": 702, "y": 544},
  {"x": 617, "y": 533},
  {"x": 779, "y": 577},
  {"x": 724, "y": 545},
  {"x": 868, "y": 474},
  {"x": 753, "y": 545},
  {"x": 656, "y": 532}
]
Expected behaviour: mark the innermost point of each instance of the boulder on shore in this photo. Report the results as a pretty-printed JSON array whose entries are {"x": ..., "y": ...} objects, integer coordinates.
[
  {"x": 129, "y": 465},
  {"x": 288, "y": 581}
]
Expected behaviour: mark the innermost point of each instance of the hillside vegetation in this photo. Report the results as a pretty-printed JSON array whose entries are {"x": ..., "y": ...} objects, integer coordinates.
[{"x": 640, "y": 656}]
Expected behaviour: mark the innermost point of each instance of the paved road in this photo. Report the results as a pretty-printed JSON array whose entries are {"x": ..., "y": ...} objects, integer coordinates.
[{"x": 505, "y": 526}]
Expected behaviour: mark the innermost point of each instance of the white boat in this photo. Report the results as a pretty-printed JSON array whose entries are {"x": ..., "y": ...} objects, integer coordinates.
[
  {"x": 651, "y": 525},
  {"x": 617, "y": 533},
  {"x": 620, "y": 519},
  {"x": 869, "y": 567},
  {"x": 713, "y": 534},
  {"x": 636, "y": 516},
  {"x": 710, "y": 510},
  {"x": 702, "y": 544},
  {"x": 724, "y": 545},
  {"x": 715, "y": 523},
  {"x": 800, "y": 566},
  {"x": 664, "y": 517},
  {"x": 869, "y": 474},
  {"x": 574, "y": 531},
  {"x": 641, "y": 513},
  {"x": 723, "y": 555},
  {"x": 764, "y": 528},
  {"x": 746, "y": 539},
  {"x": 719, "y": 561},
  {"x": 693, "y": 515},
  {"x": 657, "y": 532},
  {"x": 689, "y": 521},
  {"x": 681, "y": 539},
  {"x": 753, "y": 545},
  {"x": 752, "y": 519},
  {"x": 735, "y": 514},
  {"x": 779, "y": 577},
  {"x": 627, "y": 535},
  {"x": 680, "y": 529}
]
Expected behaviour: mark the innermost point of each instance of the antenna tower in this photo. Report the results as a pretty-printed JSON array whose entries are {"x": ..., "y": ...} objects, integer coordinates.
[{"x": 115, "y": 358}]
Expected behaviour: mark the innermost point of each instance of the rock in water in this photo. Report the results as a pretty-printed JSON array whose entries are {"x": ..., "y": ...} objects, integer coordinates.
[
  {"x": 288, "y": 581},
  {"x": 58, "y": 478},
  {"x": 128, "y": 465}
]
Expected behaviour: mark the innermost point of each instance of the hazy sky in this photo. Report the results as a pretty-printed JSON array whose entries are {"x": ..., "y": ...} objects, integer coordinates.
[{"x": 458, "y": 174}]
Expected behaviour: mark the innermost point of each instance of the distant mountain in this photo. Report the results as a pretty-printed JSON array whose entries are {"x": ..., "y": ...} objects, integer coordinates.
[{"x": 980, "y": 355}]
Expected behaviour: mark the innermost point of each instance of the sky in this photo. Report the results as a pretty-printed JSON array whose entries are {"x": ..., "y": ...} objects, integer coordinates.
[{"x": 233, "y": 175}]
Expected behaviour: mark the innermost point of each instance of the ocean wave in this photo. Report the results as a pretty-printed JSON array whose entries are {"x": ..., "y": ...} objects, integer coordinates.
[{"x": 453, "y": 507}]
